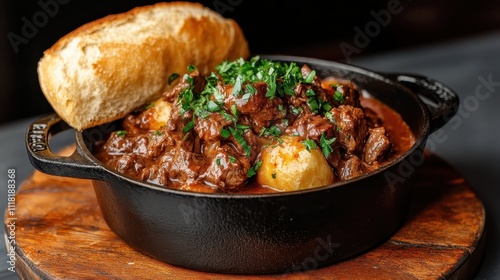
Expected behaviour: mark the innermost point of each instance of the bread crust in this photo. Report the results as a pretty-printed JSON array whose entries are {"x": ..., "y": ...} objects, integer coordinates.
[{"x": 105, "y": 69}]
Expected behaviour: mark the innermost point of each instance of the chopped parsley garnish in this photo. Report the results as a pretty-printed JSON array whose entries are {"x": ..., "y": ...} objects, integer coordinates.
[
  {"x": 329, "y": 116},
  {"x": 157, "y": 133},
  {"x": 225, "y": 133},
  {"x": 234, "y": 110},
  {"x": 189, "y": 79},
  {"x": 253, "y": 170},
  {"x": 317, "y": 104},
  {"x": 313, "y": 104},
  {"x": 270, "y": 131},
  {"x": 281, "y": 78},
  {"x": 309, "y": 144},
  {"x": 238, "y": 135},
  {"x": 296, "y": 110},
  {"x": 338, "y": 96},
  {"x": 191, "y": 68},
  {"x": 172, "y": 77},
  {"x": 310, "y": 77},
  {"x": 250, "y": 89},
  {"x": 237, "y": 86},
  {"x": 232, "y": 159},
  {"x": 212, "y": 106},
  {"x": 121, "y": 133},
  {"x": 326, "y": 145},
  {"x": 189, "y": 126}
]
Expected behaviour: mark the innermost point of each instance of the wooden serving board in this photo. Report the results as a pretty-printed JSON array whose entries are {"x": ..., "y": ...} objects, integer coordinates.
[{"x": 61, "y": 234}]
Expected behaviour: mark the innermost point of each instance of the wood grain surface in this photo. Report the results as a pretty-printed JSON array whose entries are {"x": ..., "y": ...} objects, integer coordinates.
[{"x": 61, "y": 234}]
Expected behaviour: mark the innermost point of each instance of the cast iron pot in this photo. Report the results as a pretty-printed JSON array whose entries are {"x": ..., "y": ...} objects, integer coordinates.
[{"x": 265, "y": 233}]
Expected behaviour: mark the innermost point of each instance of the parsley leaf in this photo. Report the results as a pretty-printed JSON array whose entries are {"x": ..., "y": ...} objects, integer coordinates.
[
  {"x": 326, "y": 145},
  {"x": 250, "y": 89},
  {"x": 191, "y": 68},
  {"x": 121, "y": 133},
  {"x": 237, "y": 86},
  {"x": 310, "y": 77},
  {"x": 237, "y": 134},
  {"x": 309, "y": 144},
  {"x": 212, "y": 106},
  {"x": 172, "y": 77},
  {"x": 189, "y": 126},
  {"x": 253, "y": 170},
  {"x": 338, "y": 96},
  {"x": 270, "y": 131},
  {"x": 329, "y": 116},
  {"x": 225, "y": 133}
]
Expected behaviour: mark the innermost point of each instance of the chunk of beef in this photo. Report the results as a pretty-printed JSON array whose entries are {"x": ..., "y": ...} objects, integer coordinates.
[
  {"x": 312, "y": 127},
  {"x": 350, "y": 168},
  {"x": 352, "y": 127},
  {"x": 261, "y": 110},
  {"x": 199, "y": 83},
  {"x": 350, "y": 94},
  {"x": 300, "y": 99},
  {"x": 251, "y": 144},
  {"x": 159, "y": 172},
  {"x": 372, "y": 117},
  {"x": 209, "y": 128},
  {"x": 118, "y": 145},
  {"x": 305, "y": 71},
  {"x": 135, "y": 124},
  {"x": 353, "y": 167},
  {"x": 376, "y": 146},
  {"x": 185, "y": 165},
  {"x": 225, "y": 169},
  {"x": 158, "y": 142}
]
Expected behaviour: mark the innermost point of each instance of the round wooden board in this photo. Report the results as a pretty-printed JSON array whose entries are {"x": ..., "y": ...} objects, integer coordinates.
[{"x": 60, "y": 234}]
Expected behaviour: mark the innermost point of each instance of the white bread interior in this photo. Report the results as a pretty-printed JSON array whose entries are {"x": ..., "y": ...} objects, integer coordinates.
[{"x": 107, "y": 68}]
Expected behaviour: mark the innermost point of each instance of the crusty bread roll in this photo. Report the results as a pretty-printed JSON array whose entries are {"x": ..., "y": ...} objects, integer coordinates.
[{"x": 107, "y": 68}]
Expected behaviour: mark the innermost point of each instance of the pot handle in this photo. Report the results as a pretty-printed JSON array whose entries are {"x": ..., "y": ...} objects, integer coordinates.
[
  {"x": 441, "y": 101},
  {"x": 44, "y": 160}
]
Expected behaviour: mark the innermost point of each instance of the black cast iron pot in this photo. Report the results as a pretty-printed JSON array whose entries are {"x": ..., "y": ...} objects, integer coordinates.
[{"x": 266, "y": 233}]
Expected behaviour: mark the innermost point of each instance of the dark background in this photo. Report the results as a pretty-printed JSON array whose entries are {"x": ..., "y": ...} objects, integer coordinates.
[{"x": 305, "y": 28}]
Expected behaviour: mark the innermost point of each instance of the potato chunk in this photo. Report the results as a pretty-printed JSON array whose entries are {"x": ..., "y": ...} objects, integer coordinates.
[
  {"x": 290, "y": 166},
  {"x": 160, "y": 114}
]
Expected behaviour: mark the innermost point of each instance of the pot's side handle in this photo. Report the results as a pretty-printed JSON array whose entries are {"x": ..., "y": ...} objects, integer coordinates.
[
  {"x": 441, "y": 101},
  {"x": 43, "y": 159}
]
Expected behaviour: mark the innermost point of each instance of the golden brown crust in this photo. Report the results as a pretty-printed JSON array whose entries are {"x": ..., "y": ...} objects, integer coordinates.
[{"x": 105, "y": 69}]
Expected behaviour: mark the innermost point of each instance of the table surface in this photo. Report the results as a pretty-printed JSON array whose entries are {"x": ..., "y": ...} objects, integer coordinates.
[{"x": 469, "y": 142}]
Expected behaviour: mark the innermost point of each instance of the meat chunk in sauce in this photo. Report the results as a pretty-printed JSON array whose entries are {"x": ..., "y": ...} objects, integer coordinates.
[
  {"x": 376, "y": 146},
  {"x": 226, "y": 169},
  {"x": 216, "y": 130},
  {"x": 351, "y": 127},
  {"x": 353, "y": 167}
]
